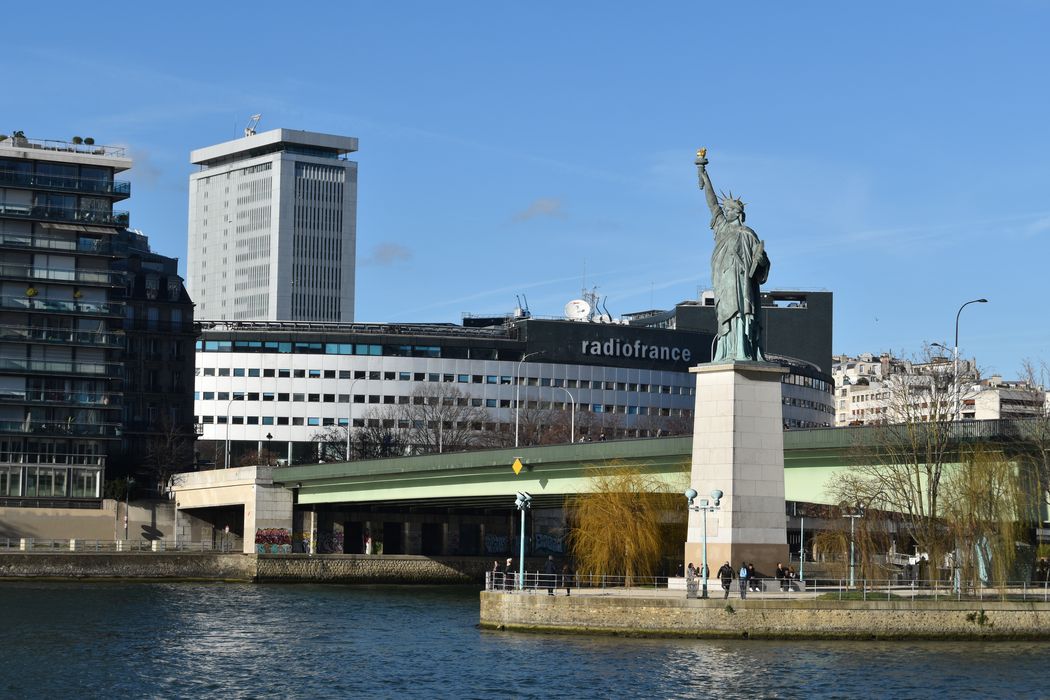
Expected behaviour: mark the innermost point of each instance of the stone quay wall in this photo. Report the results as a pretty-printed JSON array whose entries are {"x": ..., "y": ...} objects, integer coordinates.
[
  {"x": 147, "y": 566},
  {"x": 363, "y": 568},
  {"x": 774, "y": 619}
]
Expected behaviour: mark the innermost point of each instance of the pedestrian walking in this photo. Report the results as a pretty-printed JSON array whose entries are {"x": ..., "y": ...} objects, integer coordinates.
[
  {"x": 743, "y": 580},
  {"x": 508, "y": 575},
  {"x": 782, "y": 577},
  {"x": 726, "y": 574},
  {"x": 566, "y": 578},
  {"x": 550, "y": 572}
]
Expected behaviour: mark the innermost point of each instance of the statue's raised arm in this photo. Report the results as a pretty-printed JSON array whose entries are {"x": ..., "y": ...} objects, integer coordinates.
[
  {"x": 739, "y": 265},
  {"x": 705, "y": 182}
]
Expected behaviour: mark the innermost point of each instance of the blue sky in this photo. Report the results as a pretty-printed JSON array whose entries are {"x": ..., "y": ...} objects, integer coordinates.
[{"x": 893, "y": 153}]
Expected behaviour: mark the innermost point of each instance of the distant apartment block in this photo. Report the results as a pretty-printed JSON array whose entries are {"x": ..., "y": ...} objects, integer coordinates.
[
  {"x": 868, "y": 390},
  {"x": 273, "y": 228}
]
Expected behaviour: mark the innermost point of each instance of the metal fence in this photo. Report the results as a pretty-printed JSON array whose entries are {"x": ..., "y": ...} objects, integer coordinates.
[
  {"x": 230, "y": 544},
  {"x": 765, "y": 588}
]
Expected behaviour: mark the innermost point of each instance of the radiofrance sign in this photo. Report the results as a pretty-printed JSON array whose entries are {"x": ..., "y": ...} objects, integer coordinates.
[{"x": 639, "y": 350}]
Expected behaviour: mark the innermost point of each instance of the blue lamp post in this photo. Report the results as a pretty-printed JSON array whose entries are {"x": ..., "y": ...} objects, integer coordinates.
[
  {"x": 523, "y": 501},
  {"x": 704, "y": 506}
]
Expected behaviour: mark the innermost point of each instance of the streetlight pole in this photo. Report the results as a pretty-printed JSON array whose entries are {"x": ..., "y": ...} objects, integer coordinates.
[
  {"x": 704, "y": 506},
  {"x": 517, "y": 391},
  {"x": 350, "y": 417},
  {"x": 858, "y": 512},
  {"x": 958, "y": 401},
  {"x": 572, "y": 415},
  {"x": 523, "y": 501},
  {"x": 269, "y": 436},
  {"x": 233, "y": 397}
]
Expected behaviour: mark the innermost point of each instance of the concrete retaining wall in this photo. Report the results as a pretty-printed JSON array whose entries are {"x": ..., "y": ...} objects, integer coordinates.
[
  {"x": 150, "y": 566},
  {"x": 359, "y": 568},
  {"x": 678, "y": 617}
]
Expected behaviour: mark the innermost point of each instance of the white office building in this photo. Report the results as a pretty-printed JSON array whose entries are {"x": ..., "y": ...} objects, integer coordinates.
[{"x": 273, "y": 228}]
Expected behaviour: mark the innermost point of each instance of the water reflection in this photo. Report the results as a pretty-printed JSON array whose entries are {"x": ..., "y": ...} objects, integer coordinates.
[{"x": 243, "y": 641}]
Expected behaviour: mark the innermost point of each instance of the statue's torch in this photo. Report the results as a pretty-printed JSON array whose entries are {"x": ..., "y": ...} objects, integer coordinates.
[{"x": 701, "y": 162}]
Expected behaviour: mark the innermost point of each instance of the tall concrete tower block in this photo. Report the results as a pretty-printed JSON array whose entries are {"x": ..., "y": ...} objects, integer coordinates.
[
  {"x": 738, "y": 448},
  {"x": 273, "y": 228}
]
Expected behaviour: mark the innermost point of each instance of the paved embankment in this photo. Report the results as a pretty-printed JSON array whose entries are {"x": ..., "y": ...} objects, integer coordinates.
[
  {"x": 354, "y": 568},
  {"x": 294, "y": 568},
  {"x": 147, "y": 566},
  {"x": 770, "y": 618}
]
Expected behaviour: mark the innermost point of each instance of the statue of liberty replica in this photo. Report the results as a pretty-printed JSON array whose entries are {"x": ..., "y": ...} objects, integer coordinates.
[{"x": 739, "y": 265}]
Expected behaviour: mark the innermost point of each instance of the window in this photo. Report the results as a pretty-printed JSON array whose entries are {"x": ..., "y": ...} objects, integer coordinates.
[
  {"x": 253, "y": 420},
  {"x": 345, "y": 374},
  {"x": 209, "y": 395},
  {"x": 299, "y": 373},
  {"x": 223, "y": 396},
  {"x": 253, "y": 372},
  {"x": 268, "y": 373},
  {"x": 315, "y": 374},
  {"x": 224, "y": 371},
  {"x": 404, "y": 376},
  {"x": 298, "y": 397},
  {"x": 329, "y": 398},
  {"x": 209, "y": 371},
  {"x": 267, "y": 396},
  {"x": 284, "y": 373},
  {"x": 313, "y": 398},
  {"x": 267, "y": 420},
  {"x": 282, "y": 396},
  {"x": 329, "y": 374},
  {"x": 282, "y": 420},
  {"x": 313, "y": 421},
  {"x": 253, "y": 396},
  {"x": 297, "y": 420}
]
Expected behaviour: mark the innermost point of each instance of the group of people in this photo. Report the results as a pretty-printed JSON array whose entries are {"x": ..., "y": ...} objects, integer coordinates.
[
  {"x": 503, "y": 576},
  {"x": 750, "y": 580}
]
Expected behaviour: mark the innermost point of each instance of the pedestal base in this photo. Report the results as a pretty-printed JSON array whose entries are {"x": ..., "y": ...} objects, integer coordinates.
[{"x": 738, "y": 448}]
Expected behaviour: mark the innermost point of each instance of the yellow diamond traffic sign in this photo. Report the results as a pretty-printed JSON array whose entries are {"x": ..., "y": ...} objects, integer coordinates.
[{"x": 516, "y": 466}]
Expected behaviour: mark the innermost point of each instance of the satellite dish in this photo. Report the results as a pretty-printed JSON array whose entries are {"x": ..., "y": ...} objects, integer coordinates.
[{"x": 577, "y": 310}]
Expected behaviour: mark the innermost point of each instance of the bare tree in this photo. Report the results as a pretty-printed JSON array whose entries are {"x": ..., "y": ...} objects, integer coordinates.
[
  {"x": 902, "y": 463},
  {"x": 169, "y": 450}
]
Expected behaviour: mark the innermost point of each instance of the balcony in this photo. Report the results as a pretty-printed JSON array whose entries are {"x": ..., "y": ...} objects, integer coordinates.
[
  {"x": 94, "y": 369},
  {"x": 83, "y": 216},
  {"x": 60, "y": 428},
  {"x": 89, "y": 399},
  {"x": 87, "y": 308},
  {"x": 62, "y": 336},
  {"x": 64, "y": 146},
  {"x": 118, "y": 189},
  {"x": 27, "y": 272},
  {"x": 92, "y": 246},
  {"x": 18, "y": 456}
]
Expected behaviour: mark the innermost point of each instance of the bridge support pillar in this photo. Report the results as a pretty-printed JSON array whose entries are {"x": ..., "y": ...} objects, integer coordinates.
[{"x": 738, "y": 447}]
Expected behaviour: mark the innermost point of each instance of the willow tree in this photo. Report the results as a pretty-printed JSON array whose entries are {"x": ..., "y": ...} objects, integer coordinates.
[
  {"x": 987, "y": 510},
  {"x": 623, "y": 521},
  {"x": 871, "y": 538}
]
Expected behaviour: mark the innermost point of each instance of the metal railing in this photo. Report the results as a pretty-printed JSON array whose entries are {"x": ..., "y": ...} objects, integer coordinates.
[
  {"x": 52, "y": 458},
  {"x": 69, "y": 184},
  {"x": 61, "y": 306},
  {"x": 64, "y": 146},
  {"x": 78, "y": 245},
  {"x": 61, "y": 428},
  {"x": 69, "y": 336},
  {"x": 29, "y": 272},
  {"x": 76, "y": 398},
  {"x": 766, "y": 588},
  {"x": 60, "y": 367},
  {"x": 231, "y": 545},
  {"x": 84, "y": 216}
]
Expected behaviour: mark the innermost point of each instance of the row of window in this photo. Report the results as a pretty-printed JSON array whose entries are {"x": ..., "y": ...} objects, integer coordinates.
[
  {"x": 369, "y": 349},
  {"x": 492, "y": 379},
  {"x": 807, "y": 403},
  {"x": 53, "y": 482},
  {"x": 362, "y": 422}
]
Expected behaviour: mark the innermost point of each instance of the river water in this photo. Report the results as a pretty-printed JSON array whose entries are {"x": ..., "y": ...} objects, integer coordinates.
[{"x": 188, "y": 640}]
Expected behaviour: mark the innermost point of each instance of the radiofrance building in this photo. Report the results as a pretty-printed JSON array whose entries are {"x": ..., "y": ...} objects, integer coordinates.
[{"x": 277, "y": 385}]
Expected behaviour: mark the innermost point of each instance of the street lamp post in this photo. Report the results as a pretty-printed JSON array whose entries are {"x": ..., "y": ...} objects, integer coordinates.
[
  {"x": 523, "y": 501},
  {"x": 704, "y": 506},
  {"x": 233, "y": 397},
  {"x": 857, "y": 512},
  {"x": 127, "y": 504},
  {"x": 958, "y": 399},
  {"x": 517, "y": 391},
  {"x": 350, "y": 417},
  {"x": 572, "y": 415},
  {"x": 269, "y": 436}
]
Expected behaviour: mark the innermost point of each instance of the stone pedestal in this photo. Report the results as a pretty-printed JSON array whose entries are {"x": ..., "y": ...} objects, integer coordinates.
[{"x": 738, "y": 447}]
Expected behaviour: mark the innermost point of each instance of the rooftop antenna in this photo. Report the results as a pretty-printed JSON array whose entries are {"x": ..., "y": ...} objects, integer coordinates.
[{"x": 253, "y": 122}]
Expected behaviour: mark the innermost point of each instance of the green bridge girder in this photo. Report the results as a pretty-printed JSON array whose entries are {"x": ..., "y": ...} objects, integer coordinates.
[{"x": 550, "y": 472}]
